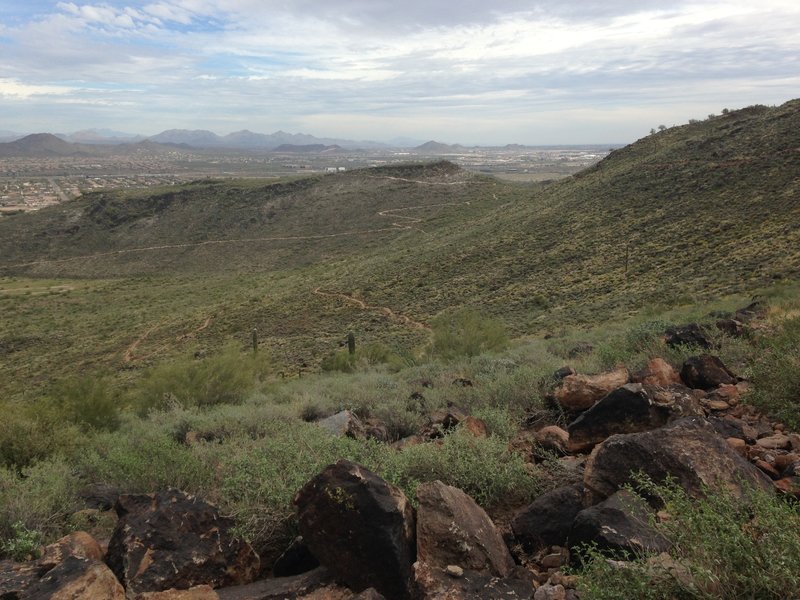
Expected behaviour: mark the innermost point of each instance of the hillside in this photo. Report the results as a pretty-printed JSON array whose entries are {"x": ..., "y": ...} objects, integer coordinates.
[
  {"x": 689, "y": 214},
  {"x": 40, "y": 145}
]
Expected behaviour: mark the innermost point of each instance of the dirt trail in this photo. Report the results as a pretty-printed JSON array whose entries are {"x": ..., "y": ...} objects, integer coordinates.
[
  {"x": 129, "y": 355},
  {"x": 387, "y": 312}
]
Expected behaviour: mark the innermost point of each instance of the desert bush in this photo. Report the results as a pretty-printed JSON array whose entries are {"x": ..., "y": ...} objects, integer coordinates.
[
  {"x": 89, "y": 401},
  {"x": 142, "y": 457},
  {"x": 35, "y": 503},
  {"x": 776, "y": 372},
  {"x": 722, "y": 548},
  {"x": 482, "y": 467},
  {"x": 366, "y": 356},
  {"x": 225, "y": 378},
  {"x": 29, "y": 434},
  {"x": 466, "y": 333}
]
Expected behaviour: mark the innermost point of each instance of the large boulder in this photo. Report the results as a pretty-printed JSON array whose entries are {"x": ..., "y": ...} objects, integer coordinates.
[
  {"x": 629, "y": 409},
  {"x": 706, "y": 372},
  {"x": 173, "y": 540},
  {"x": 688, "y": 450},
  {"x": 313, "y": 584},
  {"x": 76, "y": 579},
  {"x": 691, "y": 334},
  {"x": 547, "y": 521},
  {"x": 620, "y": 524},
  {"x": 460, "y": 584},
  {"x": 360, "y": 527},
  {"x": 453, "y": 530},
  {"x": 579, "y": 392},
  {"x": 344, "y": 424}
]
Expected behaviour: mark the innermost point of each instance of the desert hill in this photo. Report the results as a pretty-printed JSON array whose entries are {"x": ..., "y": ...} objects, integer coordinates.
[{"x": 684, "y": 215}]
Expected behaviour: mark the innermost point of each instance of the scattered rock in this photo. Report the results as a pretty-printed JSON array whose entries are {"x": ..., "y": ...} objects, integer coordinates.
[
  {"x": 552, "y": 439},
  {"x": 359, "y": 527},
  {"x": 476, "y": 427},
  {"x": 778, "y": 441},
  {"x": 563, "y": 372},
  {"x": 78, "y": 544},
  {"x": 689, "y": 450},
  {"x": 547, "y": 521},
  {"x": 369, "y": 594},
  {"x": 691, "y": 334},
  {"x": 737, "y": 445},
  {"x": 174, "y": 540},
  {"x": 732, "y": 327},
  {"x": 435, "y": 584},
  {"x": 706, "y": 372},
  {"x": 453, "y": 529},
  {"x": 299, "y": 586},
  {"x": 16, "y": 577},
  {"x": 619, "y": 524},
  {"x": 77, "y": 579},
  {"x": 462, "y": 382},
  {"x": 344, "y": 424},
  {"x": 579, "y": 392},
  {"x": 579, "y": 349},
  {"x": 443, "y": 420},
  {"x": 375, "y": 429},
  {"x": 454, "y": 571},
  {"x": 550, "y": 592},
  {"x": 628, "y": 409},
  {"x": 657, "y": 372}
]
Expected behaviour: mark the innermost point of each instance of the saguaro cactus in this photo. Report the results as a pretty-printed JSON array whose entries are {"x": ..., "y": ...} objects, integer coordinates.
[
  {"x": 255, "y": 339},
  {"x": 351, "y": 343}
]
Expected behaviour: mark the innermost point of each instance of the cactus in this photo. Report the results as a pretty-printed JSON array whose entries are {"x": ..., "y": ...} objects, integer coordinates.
[
  {"x": 351, "y": 343},
  {"x": 255, "y": 340}
]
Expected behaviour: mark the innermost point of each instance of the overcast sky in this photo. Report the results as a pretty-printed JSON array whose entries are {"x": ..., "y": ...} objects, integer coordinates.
[{"x": 469, "y": 71}]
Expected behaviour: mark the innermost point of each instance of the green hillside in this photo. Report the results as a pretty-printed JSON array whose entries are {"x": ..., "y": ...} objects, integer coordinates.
[{"x": 691, "y": 213}]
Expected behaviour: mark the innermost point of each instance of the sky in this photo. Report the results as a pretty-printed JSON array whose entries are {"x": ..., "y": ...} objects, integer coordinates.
[{"x": 458, "y": 71}]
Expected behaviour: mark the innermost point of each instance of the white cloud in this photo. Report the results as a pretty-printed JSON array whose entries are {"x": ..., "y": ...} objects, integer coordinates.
[{"x": 12, "y": 88}]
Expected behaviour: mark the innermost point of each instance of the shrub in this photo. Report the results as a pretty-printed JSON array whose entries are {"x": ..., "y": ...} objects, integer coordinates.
[
  {"x": 466, "y": 333},
  {"x": 722, "y": 548},
  {"x": 225, "y": 378},
  {"x": 31, "y": 433},
  {"x": 35, "y": 503},
  {"x": 88, "y": 401},
  {"x": 23, "y": 544},
  {"x": 776, "y": 373}
]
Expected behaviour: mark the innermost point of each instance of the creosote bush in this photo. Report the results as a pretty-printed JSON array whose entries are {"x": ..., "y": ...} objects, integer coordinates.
[
  {"x": 722, "y": 548},
  {"x": 466, "y": 332},
  {"x": 776, "y": 373}
]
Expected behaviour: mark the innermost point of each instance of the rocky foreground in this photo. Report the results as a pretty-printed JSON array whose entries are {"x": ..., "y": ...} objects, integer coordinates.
[{"x": 361, "y": 538}]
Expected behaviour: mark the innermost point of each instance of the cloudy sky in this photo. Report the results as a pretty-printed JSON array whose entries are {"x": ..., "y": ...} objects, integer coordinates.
[{"x": 469, "y": 71}]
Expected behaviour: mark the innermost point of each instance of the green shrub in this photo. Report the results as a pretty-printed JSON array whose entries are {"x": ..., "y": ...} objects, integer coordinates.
[
  {"x": 722, "y": 548},
  {"x": 23, "y": 544},
  {"x": 88, "y": 401},
  {"x": 31, "y": 433},
  {"x": 466, "y": 333},
  {"x": 776, "y": 373},
  {"x": 36, "y": 502},
  {"x": 225, "y": 378}
]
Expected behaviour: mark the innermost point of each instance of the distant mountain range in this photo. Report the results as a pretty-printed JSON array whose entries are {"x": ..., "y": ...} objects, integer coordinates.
[
  {"x": 248, "y": 140},
  {"x": 43, "y": 145}
]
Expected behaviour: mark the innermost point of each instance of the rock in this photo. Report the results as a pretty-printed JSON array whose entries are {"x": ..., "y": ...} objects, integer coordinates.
[
  {"x": 98, "y": 523},
  {"x": 579, "y": 392},
  {"x": 344, "y": 424},
  {"x": 174, "y": 540},
  {"x": 296, "y": 559},
  {"x": 369, "y": 594},
  {"x": 406, "y": 442},
  {"x": 198, "y": 592},
  {"x": 552, "y": 439},
  {"x": 282, "y": 588},
  {"x": 687, "y": 335},
  {"x": 360, "y": 527},
  {"x": 563, "y": 372},
  {"x": 737, "y": 445},
  {"x": 767, "y": 469},
  {"x": 443, "y": 420},
  {"x": 433, "y": 583},
  {"x": 689, "y": 450},
  {"x": 731, "y": 427},
  {"x": 705, "y": 372},
  {"x": 476, "y": 427},
  {"x": 375, "y": 429},
  {"x": 789, "y": 486},
  {"x": 453, "y": 530},
  {"x": 76, "y": 579},
  {"x": 454, "y": 571},
  {"x": 462, "y": 382},
  {"x": 550, "y": 592},
  {"x": 620, "y": 524},
  {"x": 79, "y": 544},
  {"x": 755, "y": 310},
  {"x": 657, "y": 372},
  {"x": 778, "y": 441},
  {"x": 732, "y": 327},
  {"x": 547, "y": 521},
  {"x": 16, "y": 577},
  {"x": 99, "y": 496},
  {"x": 579, "y": 349},
  {"x": 625, "y": 410}
]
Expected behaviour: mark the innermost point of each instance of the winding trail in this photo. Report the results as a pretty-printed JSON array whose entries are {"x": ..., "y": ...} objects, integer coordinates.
[
  {"x": 387, "y": 312},
  {"x": 130, "y": 356}
]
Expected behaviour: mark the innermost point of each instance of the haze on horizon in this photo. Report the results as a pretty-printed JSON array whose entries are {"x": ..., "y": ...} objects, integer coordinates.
[{"x": 510, "y": 71}]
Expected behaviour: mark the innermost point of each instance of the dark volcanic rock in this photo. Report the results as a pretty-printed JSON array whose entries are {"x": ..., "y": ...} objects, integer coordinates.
[
  {"x": 706, "y": 372},
  {"x": 628, "y": 409},
  {"x": 619, "y": 524},
  {"x": 173, "y": 540},
  {"x": 689, "y": 450},
  {"x": 16, "y": 577},
  {"x": 360, "y": 527},
  {"x": 279, "y": 588},
  {"x": 547, "y": 521},
  {"x": 76, "y": 579},
  {"x": 434, "y": 584},
  {"x": 688, "y": 335},
  {"x": 453, "y": 530},
  {"x": 296, "y": 559}
]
